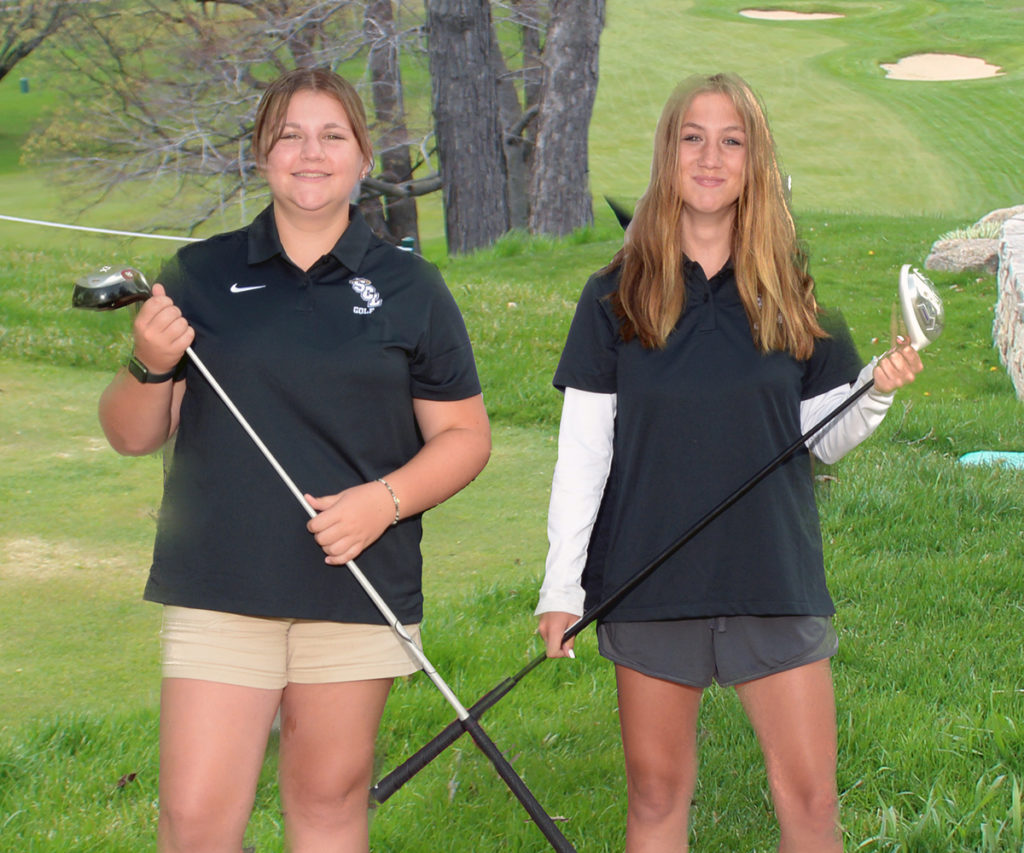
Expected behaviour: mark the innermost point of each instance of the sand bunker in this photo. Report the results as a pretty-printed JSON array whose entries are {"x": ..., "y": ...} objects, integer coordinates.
[
  {"x": 783, "y": 15},
  {"x": 940, "y": 66}
]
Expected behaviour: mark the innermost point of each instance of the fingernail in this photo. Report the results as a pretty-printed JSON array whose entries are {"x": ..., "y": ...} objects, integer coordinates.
[{"x": 572, "y": 654}]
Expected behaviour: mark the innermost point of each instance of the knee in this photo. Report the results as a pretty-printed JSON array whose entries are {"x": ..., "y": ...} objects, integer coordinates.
[
  {"x": 816, "y": 809},
  {"x": 655, "y": 798},
  {"x": 198, "y": 825},
  {"x": 326, "y": 806},
  {"x": 325, "y": 810}
]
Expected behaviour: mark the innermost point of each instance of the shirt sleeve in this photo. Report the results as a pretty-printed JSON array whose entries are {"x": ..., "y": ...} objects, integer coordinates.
[
  {"x": 581, "y": 472},
  {"x": 442, "y": 366},
  {"x": 835, "y": 360},
  {"x": 855, "y": 424},
  {"x": 588, "y": 361},
  {"x": 174, "y": 277}
]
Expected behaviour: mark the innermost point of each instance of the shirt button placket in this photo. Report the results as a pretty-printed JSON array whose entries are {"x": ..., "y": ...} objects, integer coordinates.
[
  {"x": 707, "y": 310},
  {"x": 305, "y": 302}
]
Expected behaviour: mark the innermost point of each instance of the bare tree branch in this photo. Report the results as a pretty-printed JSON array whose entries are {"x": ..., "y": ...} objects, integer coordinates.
[
  {"x": 25, "y": 25},
  {"x": 166, "y": 91},
  {"x": 407, "y": 189}
]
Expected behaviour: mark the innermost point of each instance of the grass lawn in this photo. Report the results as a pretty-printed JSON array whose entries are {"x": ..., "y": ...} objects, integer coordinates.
[{"x": 924, "y": 554}]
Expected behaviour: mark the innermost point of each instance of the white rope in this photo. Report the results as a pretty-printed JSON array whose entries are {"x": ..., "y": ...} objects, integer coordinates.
[{"x": 99, "y": 230}]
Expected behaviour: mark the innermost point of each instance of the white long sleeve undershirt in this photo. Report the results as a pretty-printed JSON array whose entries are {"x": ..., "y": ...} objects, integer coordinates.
[{"x": 585, "y": 438}]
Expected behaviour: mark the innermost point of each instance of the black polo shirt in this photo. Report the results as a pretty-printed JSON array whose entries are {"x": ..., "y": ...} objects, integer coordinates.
[
  {"x": 324, "y": 365},
  {"x": 694, "y": 421}
]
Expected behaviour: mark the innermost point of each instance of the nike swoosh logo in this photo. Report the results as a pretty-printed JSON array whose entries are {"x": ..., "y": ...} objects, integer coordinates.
[{"x": 237, "y": 288}]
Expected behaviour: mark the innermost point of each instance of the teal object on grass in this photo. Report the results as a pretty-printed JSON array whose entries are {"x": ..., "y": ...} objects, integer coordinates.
[{"x": 1006, "y": 458}]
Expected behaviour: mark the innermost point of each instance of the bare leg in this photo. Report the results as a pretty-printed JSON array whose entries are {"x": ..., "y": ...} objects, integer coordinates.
[
  {"x": 212, "y": 741},
  {"x": 794, "y": 716},
  {"x": 328, "y": 732},
  {"x": 659, "y": 738}
]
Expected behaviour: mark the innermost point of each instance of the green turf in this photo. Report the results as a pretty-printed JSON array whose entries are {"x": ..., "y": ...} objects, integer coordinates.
[{"x": 924, "y": 555}]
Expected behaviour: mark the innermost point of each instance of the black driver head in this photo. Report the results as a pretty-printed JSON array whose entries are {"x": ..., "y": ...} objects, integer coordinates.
[
  {"x": 623, "y": 216},
  {"x": 110, "y": 288}
]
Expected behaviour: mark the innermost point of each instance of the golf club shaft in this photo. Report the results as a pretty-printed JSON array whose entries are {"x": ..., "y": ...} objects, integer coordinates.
[
  {"x": 465, "y": 722},
  {"x": 517, "y": 786},
  {"x": 602, "y": 607},
  {"x": 394, "y": 780}
]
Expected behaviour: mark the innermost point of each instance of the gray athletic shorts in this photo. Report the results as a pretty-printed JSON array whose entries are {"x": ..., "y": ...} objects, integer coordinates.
[{"x": 726, "y": 649}]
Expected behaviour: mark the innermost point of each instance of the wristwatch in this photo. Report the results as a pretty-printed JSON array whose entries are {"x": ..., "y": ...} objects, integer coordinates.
[{"x": 137, "y": 369}]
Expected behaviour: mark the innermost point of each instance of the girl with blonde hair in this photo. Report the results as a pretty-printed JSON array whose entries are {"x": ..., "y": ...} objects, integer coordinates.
[{"x": 694, "y": 357}]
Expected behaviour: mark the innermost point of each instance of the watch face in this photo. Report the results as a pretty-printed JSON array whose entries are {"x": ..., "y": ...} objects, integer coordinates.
[{"x": 137, "y": 369}]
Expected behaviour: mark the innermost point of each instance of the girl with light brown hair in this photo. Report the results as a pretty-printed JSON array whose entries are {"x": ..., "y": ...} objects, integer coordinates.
[{"x": 353, "y": 362}]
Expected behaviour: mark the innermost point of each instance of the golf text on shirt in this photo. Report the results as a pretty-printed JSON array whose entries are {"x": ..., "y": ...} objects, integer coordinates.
[{"x": 369, "y": 295}]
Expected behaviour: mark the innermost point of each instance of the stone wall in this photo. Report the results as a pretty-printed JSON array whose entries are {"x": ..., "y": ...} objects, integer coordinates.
[{"x": 1008, "y": 326}]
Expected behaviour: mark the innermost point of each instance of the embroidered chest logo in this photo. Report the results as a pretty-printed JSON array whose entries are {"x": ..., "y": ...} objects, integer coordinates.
[{"x": 368, "y": 293}]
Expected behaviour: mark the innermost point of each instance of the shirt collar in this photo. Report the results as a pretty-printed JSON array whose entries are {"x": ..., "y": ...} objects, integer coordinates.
[
  {"x": 349, "y": 251},
  {"x": 692, "y": 268}
]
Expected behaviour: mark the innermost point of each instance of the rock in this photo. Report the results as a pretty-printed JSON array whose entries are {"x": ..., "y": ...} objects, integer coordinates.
[
  {"x": 1002, "y": 214},
  {"x": 962, "y": 255},
  {"x": 1008, "y": 322}
]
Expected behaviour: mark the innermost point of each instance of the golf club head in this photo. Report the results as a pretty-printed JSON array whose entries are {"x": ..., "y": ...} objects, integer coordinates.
[
  {"x": 922, "y": 309},
  {"x": 110, "y": 288}
]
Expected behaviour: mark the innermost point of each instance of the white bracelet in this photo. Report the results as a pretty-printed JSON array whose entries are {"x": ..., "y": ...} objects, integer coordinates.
[{"x": 394, "y": 497}]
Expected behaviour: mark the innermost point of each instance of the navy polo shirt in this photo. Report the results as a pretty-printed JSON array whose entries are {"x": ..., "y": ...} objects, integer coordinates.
[
  {"x": 324, "y": 364},
  {"x": 694, "y": 421}
]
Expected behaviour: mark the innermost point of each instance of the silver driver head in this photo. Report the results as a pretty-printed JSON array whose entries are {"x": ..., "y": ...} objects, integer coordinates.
[
  {"x": 923, "y": 314},
  {"x": 109, "y": 288}
]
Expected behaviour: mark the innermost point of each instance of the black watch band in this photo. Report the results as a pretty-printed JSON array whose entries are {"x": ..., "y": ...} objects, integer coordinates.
[{"x": 137, "y": 369}]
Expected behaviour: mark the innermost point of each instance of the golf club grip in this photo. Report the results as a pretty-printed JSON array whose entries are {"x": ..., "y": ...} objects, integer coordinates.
[
  {"x": 394, "y": 780},
  {"x": 602, "y": 607},
  {"x": 518, "y": 787},
  {"x": 389, "y": 784}
]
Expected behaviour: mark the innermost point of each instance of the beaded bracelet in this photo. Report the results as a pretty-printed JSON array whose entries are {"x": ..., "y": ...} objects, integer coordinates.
[{"x": 394, "y": 497}]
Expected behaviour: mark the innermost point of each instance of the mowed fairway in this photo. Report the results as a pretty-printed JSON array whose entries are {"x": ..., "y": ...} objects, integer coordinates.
[
  {"x": 851, "y": 139},
  {"x": 926, "y": 557}
]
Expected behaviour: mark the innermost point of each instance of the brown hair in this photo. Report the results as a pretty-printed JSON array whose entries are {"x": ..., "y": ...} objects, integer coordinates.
[
  {"x": 273, "y": 108},
  {"x": 771, "y": 268}
]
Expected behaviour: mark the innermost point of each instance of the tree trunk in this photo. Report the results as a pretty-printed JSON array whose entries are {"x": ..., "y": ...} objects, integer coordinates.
[
  {"x": 398, "y": 216},
  {"x": 466, "y": 123},
  {"x": 514, "y": 143},
  {"x": 519, "y": 121},
  {"x": 531, "y": 30},
  {"x": 560, "y": 190}
]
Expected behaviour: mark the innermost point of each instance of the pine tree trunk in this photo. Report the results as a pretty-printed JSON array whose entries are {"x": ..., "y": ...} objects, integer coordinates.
[
  {"x": 466, "y": 123},
  {"x": 560, "y": 188}
]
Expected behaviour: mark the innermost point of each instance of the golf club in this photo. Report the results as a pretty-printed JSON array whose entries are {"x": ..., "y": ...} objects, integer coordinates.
[
  {"x": 922, "y": 309},
  {"x": 114, "y": 287},
  {"x": 923, "y": 315}
]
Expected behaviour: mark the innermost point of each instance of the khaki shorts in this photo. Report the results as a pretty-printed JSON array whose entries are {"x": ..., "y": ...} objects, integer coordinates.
[
  {"x": 726, "y": 649},
  {"x": 253, "y": 651}
]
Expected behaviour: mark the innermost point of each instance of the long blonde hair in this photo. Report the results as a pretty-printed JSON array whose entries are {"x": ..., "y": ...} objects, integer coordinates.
[{"x": 771, "y": 268}]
